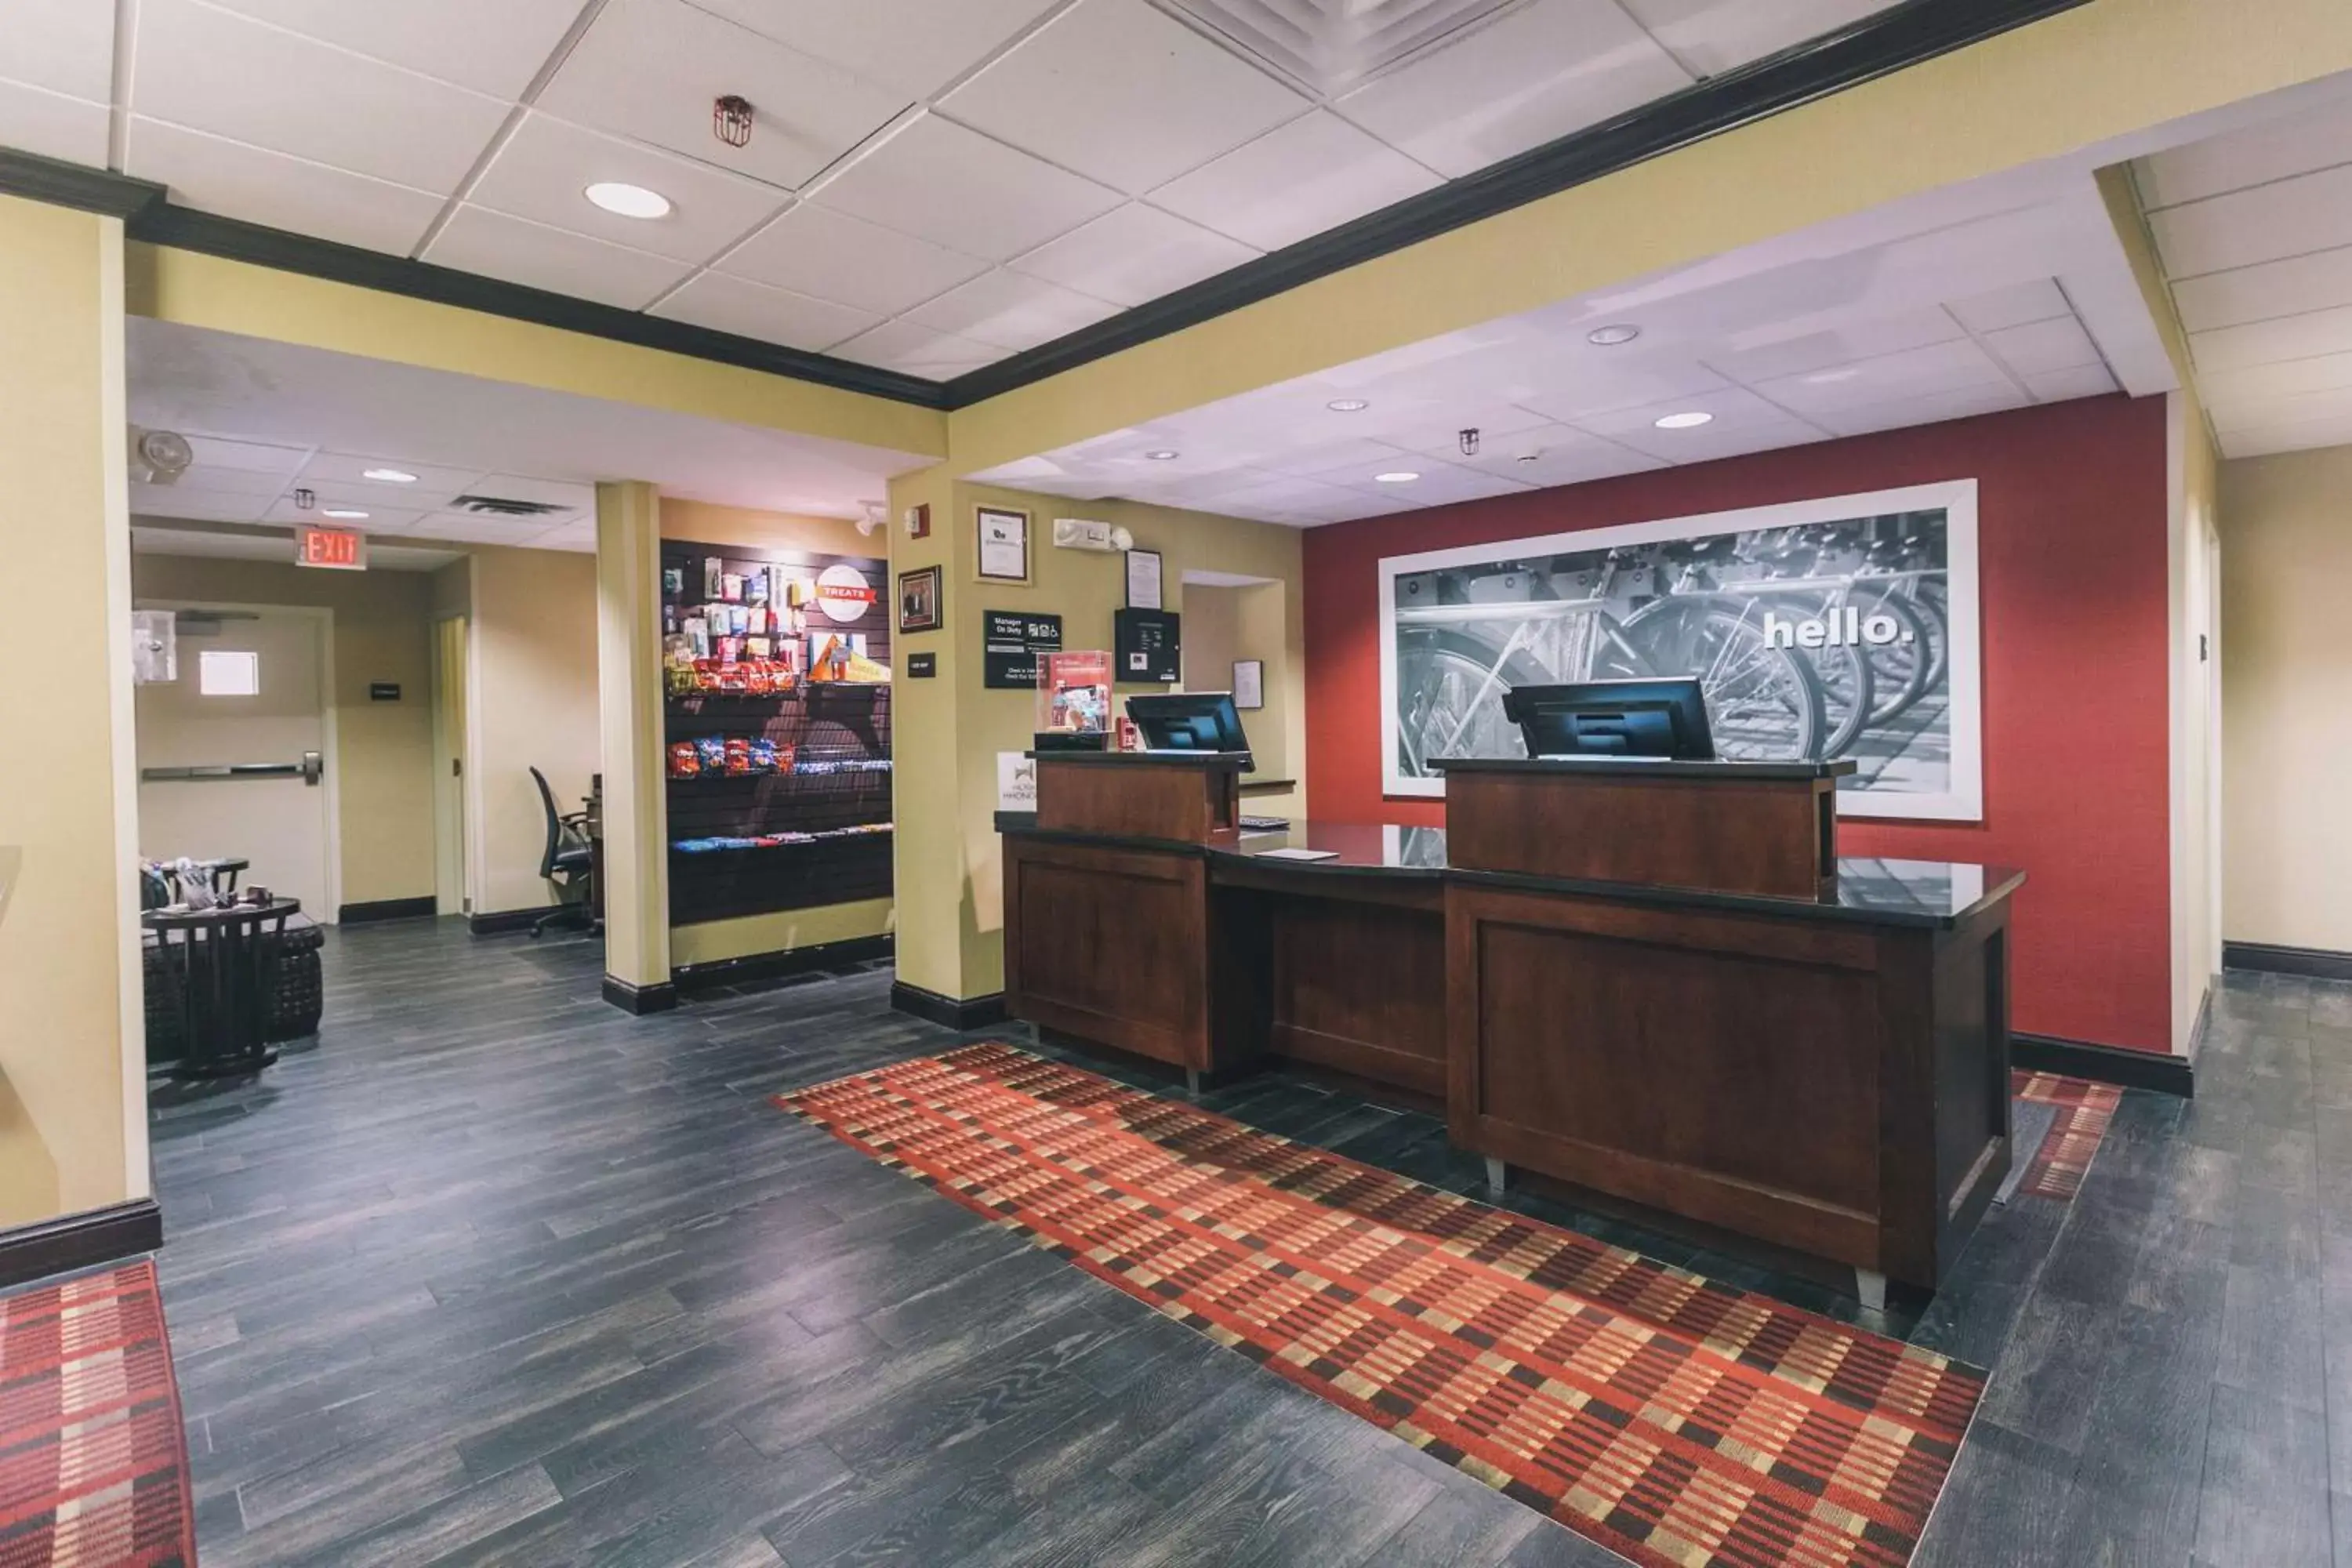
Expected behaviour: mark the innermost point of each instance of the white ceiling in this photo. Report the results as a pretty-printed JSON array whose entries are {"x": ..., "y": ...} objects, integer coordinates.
[
  {"x": 267, "y": 418},
  {"x": 2255, "y": 231},
  {"x": 931, "y": 184},
  {"x": 1993, "y": 296},
  {"x": 168, "y": 539}
]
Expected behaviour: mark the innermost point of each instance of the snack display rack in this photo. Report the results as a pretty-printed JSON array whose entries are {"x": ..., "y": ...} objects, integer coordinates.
[{"x": 780, "y": 766}]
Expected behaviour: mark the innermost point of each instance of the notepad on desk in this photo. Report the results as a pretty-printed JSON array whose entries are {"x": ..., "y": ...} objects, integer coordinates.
[{"x": 1298, "y": 854}]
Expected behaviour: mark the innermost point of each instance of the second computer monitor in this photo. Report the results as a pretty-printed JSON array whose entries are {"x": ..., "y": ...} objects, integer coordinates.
[
  {"x": 1613, "y": 719},
  {"x": 1189, "y": 721}
]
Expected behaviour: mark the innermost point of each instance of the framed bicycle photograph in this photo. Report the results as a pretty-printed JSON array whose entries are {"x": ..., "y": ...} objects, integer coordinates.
[{"x": 1842, "y": 627}]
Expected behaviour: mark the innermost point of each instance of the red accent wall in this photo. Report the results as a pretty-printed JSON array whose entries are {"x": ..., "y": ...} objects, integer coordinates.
[{"x": 2072, "y": 508}]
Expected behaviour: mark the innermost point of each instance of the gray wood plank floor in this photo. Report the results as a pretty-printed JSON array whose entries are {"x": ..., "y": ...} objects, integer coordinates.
[{"x": 496, "y": 1274}]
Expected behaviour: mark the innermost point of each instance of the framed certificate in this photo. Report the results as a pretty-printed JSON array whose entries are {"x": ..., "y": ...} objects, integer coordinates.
[
  {"x": 1249, "y": 683},
  {"x": 1004, "y": 545},
  {"x": 1143, "y": 580}
]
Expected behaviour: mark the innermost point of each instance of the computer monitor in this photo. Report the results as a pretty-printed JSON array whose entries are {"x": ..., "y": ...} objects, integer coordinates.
[
  {"x": 1189, "y": 721},
  {"x": 1613, "y": 719}
]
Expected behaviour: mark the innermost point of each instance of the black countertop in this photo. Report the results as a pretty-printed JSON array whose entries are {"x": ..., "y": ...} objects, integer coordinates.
[
  {"x": 1868, "y": 891},
  {"x": 1236, "y": 760},
  {"x": 1645, "y": 767}
]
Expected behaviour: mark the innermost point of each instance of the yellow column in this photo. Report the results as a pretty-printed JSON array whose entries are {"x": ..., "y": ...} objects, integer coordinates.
[
  {"x": 629, "y": 704},
  {"x": 73, "y": 1119}
]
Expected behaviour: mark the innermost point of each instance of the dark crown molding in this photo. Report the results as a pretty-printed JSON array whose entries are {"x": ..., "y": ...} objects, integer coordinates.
[{"x": 1903, "y": 36}]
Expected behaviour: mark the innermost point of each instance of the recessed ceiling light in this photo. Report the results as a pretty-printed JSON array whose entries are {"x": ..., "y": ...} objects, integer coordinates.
[
  {"x": 1690, "y": 421},
  {"x": 1401, "y": 477},
  {"x": 1347, "y": 406},
  {"x": 1163, "y": 454},
  {"x": 626, "y": 200},
  {"x": 389, "y": 476},
  {"x": 347, "y": 512},
  {"x": 1609, "y": 337}
]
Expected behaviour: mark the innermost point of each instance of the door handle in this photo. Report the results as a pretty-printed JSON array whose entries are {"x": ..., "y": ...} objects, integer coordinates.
[
  {"x": 309, "y": 770},
  {"x": 314, "y": 766}
]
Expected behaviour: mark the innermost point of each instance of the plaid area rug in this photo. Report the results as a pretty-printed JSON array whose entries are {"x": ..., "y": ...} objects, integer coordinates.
[
  {"x": 2084, "y": 1109},
  {"x": 1674, "y": 1420},
  {"x": 93, "y": 1458}
]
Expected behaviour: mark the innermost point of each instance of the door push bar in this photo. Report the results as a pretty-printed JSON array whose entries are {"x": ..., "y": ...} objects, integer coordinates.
[{"x": 308, "y": 769}]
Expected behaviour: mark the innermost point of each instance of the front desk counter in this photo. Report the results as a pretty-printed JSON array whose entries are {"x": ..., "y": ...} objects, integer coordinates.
[{"x": 1826, "y": 1075}]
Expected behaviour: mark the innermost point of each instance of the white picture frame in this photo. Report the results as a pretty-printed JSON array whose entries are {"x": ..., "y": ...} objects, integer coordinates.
[{"x": 1962, "y": 798}]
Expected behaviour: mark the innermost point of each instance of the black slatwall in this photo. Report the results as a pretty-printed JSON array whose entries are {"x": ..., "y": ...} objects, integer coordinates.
[{"x": 823, "y": 723}]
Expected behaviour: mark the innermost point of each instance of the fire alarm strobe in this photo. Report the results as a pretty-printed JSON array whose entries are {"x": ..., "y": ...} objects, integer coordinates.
[{"x": 730, "y": 120}]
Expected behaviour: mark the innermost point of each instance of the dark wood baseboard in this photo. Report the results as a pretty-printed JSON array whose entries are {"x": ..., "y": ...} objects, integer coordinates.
[
  {"x": 2159, "y": 1070},
  {"x": 424, "y": 908},
  {"x": 2268, "y": 958},
  {"x": 503, "y": 920},
  {"x": 84, "y": 1240},
  {"x": 697, "y": 979},
  {"x": 639, "y": 999},
  {"x": 970, "y": 1013}
]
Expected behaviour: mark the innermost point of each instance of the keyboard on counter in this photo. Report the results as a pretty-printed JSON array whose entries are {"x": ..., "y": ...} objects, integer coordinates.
[{"x": 1264, "y": 824}]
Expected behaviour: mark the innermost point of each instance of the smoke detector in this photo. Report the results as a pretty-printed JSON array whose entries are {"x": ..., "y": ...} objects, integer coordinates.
[
  {"x": 159, "y": 456},
  {"x": 1328, "y": 46}
]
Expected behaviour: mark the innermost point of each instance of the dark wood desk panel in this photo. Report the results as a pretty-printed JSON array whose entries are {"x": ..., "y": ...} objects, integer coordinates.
[
  {"x": 1360, "y": 988},
  {"x": 1109, "y": 945}
]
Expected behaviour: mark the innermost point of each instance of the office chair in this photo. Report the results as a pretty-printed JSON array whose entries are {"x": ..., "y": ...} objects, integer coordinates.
[{"x": 567, "y": 861}]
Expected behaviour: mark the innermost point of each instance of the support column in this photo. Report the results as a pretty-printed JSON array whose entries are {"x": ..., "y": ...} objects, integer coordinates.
[
  {"x": 73, "y": 1105},
  {"x": 629, "y": 707}
]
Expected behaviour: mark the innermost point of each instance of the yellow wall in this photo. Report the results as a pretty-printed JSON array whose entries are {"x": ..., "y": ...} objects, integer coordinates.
[
  {"x": 73, "y": 1131},
  {"x": 533, "y": 703},
  {"x": 2286, "y": 699},
  {"x": 948, "y": 731},
  {"x": 384, "y": 750},
  {"x": 716, "y": 940}
]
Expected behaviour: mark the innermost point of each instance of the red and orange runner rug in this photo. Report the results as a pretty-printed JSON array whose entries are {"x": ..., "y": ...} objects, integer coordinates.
[
  {"x": 2056, "y": 1169},
  {"x": 93, "y": 1460},
  {"x": 1673, "y": 1419}
]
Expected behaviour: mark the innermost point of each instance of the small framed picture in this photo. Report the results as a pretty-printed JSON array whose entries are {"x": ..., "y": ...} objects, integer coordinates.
[
  {"x": 919, "y": 600},
  {"x": 1004, "y": 545},
  {"x": 1143, "y": 580},
  {"x": 1249, "y": 683}
]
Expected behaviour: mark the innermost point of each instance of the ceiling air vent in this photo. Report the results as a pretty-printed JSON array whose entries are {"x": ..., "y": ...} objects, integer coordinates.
[
  {"x": 1330, "y": 46},
  {"x": 500, "y": 506}
]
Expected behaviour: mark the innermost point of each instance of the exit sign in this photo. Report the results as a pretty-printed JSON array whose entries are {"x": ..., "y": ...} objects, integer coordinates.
[{"x": 342, "y": 548}]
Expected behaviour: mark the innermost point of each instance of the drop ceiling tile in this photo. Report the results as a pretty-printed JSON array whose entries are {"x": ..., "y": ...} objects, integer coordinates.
[
  {"x": 495, "y": 48},
  {"x": 247, "y": 456},
  {"x": 1962, "y": 403},
  {"x": 1600, "y": 393},
  {"x": 813, "y": 250},
  {"x": 1123, "y": 93},
  {"x": 1133, "y": 254},
  {"x": 918, "y": 350},
  {"x": 2287, "y": 288},
  {"x": 212, "y": 71},
  {"x": 1438, "y": 431},
  {"x": 1735, "y": 411},
  {"x": 210, "y": 479},
  {"x": 1771, "y": 353},
  {"x": 205, "y": 506},
  {"x": 574, "y": 536},
  {"x": 2238, "y": 414},
  {"x": 1289, "y": 495},
  {"x": 2015, "y": 306},
  {"x": 2296, "y": 437},
  {"x": 912, "y": 47},
  {"x": 1538, "y": 74},
  {"x": 2061, "y": 345},
  {"x": 569, "y": 493},
  {"x": 2292, "y": 217},
  {"x": 464, "y": 529},
  {"x": 215, "y": 175},
  {"x": 1010, "y": 310},
  {"x": 1438, "y": 482},
  {"x": 1362, "y": 456},
  {"x": 2253, "y": 156},
  {"x": 1885, "y": 378},
  {"x": 33, "y": 120},
  {"x": 1298, "y": 179},
  {"x": 940, "y": 182},
  {"x": 496, "y": 245},
  {"x": 748, "y": 310},
  {"x": 2080, "y": 381},
  {"x": 651, "y": 69},
  {"x": 350, "y": 469},
  {"x": 379, "y": 519},
  {"x": 2305, "y": 336},
  {"x": 1547, "y": 455},
  {"x": 378, "y": 500},
  {"x": 63, "y": 45},
  {"x": 2277, "y": 377},
  {"x": 1712, "y": 36},
  {"x": 545, "y": 166}
]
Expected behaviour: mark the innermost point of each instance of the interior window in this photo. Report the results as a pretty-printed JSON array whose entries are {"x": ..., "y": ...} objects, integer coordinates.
[{"x": 221, "y": 672}]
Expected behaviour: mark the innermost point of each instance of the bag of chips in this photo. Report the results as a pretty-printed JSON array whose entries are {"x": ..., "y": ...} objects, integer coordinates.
[
  {"x": 739, "y": 755},
  {"x": 711, "y": 750},
  {"x": 763, "y": 754},
  {"x": 684, "y": 762}
]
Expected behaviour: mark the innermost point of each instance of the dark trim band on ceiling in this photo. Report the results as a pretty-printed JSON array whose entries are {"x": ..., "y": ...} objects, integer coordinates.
[{"x": 1902, "y": 35}]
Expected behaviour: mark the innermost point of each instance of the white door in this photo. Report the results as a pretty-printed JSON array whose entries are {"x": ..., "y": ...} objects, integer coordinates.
[{"x": 252, "y": 692}]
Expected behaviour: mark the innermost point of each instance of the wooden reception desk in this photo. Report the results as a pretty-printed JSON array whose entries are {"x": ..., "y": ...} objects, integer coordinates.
[{"x": 1656, "y": 981}]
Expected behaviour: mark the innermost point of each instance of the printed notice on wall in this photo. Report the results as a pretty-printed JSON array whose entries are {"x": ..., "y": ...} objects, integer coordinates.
[{"x": 1016, "y": 781}]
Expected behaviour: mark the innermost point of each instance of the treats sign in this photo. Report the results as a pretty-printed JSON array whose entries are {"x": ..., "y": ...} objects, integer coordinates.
[{"x": 843, "y": 594}]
